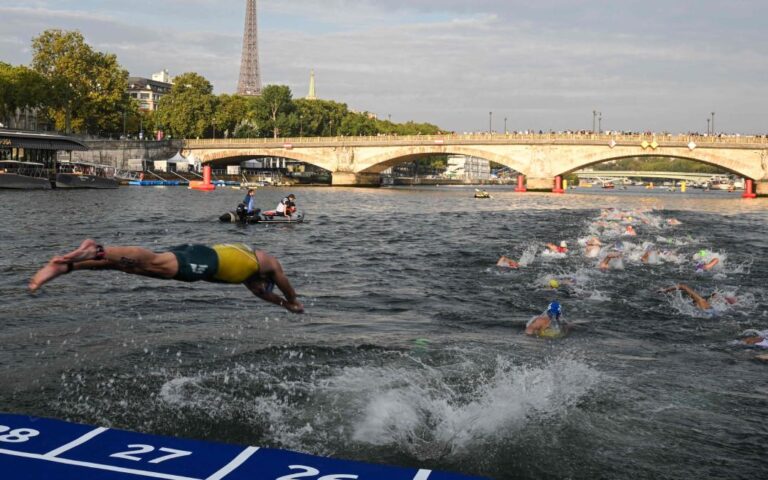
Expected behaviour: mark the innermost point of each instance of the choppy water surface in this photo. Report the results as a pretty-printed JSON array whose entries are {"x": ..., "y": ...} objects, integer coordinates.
[{"x": 411, "y": 351}]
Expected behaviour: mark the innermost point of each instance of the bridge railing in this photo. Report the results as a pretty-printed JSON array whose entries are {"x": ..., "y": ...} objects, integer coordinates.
[{"x": 510, "y": 138}]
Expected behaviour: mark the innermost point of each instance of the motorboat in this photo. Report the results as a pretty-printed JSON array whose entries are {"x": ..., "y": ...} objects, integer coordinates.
[
  {"x": 482, "y": 194},
  {"x": 23, "y": 175},
  {"x": 269, "y": 216},
  {"x": 85, "y": 175}
]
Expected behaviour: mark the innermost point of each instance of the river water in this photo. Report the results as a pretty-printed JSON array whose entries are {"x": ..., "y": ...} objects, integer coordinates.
[{"x": 411, "y": 349}]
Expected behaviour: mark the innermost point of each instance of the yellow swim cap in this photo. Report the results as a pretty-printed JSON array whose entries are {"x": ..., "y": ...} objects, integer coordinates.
[{"x": 554, "y": 283}]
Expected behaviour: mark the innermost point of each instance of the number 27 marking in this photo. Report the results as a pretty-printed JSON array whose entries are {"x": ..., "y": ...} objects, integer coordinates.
[{"x": 142, "y": 449}]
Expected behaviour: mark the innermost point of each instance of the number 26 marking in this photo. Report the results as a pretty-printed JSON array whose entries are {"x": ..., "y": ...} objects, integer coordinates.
[
  {"x": 142, "y": 449},
  {"x": 313, "y": 472}
]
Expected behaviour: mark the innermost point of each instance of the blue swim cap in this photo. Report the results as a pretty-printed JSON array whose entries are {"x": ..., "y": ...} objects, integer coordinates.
[{"x": 554, "y": 309}]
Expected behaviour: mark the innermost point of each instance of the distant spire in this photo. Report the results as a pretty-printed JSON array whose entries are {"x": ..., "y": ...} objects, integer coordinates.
[
  {"x": 312, "y": 95},
  {"x": 250, "y": 76}
]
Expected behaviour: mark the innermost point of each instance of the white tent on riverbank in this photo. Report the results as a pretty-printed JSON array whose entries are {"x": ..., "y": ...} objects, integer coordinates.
[{"x": 177, "y": 163}]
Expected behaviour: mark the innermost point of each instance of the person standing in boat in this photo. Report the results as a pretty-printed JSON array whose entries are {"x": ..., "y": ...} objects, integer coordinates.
[{"x": 250, "y": 202}]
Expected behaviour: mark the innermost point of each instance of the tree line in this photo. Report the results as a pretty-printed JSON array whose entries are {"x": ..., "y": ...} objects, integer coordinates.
[
  {"x": 659, "y": 164},
  {"x": 76, "y": 89}
]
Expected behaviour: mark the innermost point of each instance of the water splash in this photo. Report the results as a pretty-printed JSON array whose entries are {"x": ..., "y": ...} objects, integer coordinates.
[{"x": 430, "y": 418}]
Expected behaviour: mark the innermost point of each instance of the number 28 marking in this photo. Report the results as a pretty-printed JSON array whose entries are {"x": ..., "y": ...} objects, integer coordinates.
[
  {"x": 19, "y": 435},
  {"x": 142, "y": 449},
  {"x": 313, "y": 472}
]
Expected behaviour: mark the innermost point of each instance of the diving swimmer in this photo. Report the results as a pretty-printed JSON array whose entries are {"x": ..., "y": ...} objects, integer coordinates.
[{"x": 224, "y": 263}]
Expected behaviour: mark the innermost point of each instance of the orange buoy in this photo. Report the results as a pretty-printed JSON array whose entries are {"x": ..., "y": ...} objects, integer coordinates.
[{"x": 205, "y": 185}]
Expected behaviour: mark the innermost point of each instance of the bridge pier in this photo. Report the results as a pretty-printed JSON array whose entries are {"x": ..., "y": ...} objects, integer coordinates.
[
  {"x": 540, "y": 184},
  {"x": 346, "y": 179},
  {"x": 761, "y": 188}
]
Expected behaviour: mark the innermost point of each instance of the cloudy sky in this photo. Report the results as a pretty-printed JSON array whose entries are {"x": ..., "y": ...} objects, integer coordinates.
[{"x": 542, "y": 64}]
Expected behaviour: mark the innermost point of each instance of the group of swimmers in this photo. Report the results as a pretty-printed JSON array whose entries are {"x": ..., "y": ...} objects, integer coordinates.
[{"x": 609, "y": 242}]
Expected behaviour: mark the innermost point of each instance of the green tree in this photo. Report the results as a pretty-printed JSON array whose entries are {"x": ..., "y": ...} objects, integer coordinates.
[
  {"x": 21, "y": 87},
  {"x": 274, "y": 109},
  {"x": 188, "y": 110},
  {"x": 358, "y": 124},
  {"x": 89, "y": 87},
  {"x": 232, "y": 110},
  {"x": 318, "y": 117}
]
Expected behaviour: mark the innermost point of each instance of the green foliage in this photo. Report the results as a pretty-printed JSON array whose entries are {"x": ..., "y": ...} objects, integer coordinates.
[
  {"x": 276, "y": 114},
  {"x": 358, "y": 124},
  {"x": 188, "y": 111},
  {"x": 88, "y": 88},
  {"x": 232, "y": 111},
  {"x": 659, "y": 164},
  {"x": 21, "y": 87},
  {"x": 274, "y": 110}
]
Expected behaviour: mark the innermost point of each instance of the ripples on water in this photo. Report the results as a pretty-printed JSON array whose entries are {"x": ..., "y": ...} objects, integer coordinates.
[{"x": 411, "y": 350}]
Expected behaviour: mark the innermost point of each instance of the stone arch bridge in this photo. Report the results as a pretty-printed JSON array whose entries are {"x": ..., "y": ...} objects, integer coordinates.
[{"x": 540, "y": 158}]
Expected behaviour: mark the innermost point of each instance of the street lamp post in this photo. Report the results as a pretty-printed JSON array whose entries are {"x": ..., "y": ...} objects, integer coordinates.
[
  {"x": 301, "y": 125},
  {"x": 505, "y": 126},
  {"x": 599, "y": 121},
  {"x": 490, "y": 122},
  {"x": 708, "y": 131},
  {"x": 594, "y": 117},
  {"x": 713, "y": 123}
]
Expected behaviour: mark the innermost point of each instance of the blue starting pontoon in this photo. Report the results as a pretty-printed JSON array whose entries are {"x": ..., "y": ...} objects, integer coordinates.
[
  {"x": 155, "y": 183},
  {"x": 37, "y": 448}
]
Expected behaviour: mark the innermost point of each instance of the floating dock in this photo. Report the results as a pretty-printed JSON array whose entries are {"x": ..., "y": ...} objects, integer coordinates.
[{"x": 38, "y": 448}]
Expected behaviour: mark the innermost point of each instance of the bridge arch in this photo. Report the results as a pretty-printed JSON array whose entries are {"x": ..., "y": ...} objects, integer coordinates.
[
  {"x": 379, "y": 163},
  {"x": 220, "y": 157},
  {"x": 713, "y": 158}
]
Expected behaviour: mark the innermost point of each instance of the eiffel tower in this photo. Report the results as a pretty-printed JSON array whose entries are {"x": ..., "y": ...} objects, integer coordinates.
[{"x": 250, "y": 77}]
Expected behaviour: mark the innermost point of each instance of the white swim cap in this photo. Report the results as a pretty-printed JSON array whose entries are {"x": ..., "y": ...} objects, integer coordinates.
[{"x": 563, "y": 244}]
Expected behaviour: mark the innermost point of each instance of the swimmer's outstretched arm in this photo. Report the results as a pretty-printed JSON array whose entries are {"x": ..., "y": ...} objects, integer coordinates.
[
  {"x": 270, "y": 268},
  {"x": 605, "y": 262},
  {"x": 700, "y": 301},
  {"x": 711, "y": 264}
]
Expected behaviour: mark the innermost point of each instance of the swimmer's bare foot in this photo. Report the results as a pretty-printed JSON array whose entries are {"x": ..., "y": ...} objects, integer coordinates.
[
  {"x": 46, "y": 274},
  {"x": 88, "y": 250}
]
